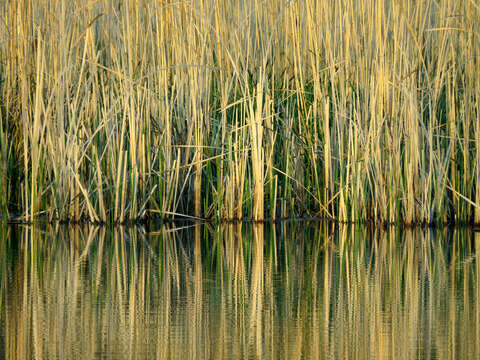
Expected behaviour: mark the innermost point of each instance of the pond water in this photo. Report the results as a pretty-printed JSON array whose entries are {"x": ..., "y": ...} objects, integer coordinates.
[{"x": 289, "y": 291}]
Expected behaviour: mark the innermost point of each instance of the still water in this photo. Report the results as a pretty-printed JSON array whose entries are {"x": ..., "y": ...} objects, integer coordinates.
[{"x": 290, "y": 291}]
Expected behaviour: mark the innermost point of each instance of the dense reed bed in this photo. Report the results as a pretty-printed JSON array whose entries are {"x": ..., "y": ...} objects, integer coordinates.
[
  {"x": 112, "y": 111},
  {"x": 239, "y": 292}
]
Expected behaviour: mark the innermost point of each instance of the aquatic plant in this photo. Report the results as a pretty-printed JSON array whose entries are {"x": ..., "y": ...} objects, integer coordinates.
[{"x": 358, "y": 111}]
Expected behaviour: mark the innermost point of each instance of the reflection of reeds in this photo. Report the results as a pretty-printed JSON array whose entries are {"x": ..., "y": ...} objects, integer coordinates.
[{"x": 240, "y": 291}]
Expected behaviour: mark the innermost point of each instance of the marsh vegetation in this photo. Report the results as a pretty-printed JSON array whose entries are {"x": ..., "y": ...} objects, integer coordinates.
[{"x": 116, "y": 111}]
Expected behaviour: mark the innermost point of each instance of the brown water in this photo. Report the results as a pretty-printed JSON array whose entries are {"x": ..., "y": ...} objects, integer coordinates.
[{"x": 296, "y": 291}]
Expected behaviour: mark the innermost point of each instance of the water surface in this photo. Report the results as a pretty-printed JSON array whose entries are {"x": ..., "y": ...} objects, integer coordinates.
[{"x": 293, "y": 291}]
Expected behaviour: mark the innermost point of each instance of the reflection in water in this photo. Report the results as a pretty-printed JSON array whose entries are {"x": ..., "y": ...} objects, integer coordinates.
[{"x": 239, "y": 291}]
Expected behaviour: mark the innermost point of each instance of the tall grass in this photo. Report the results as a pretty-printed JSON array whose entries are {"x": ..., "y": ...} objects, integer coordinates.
[{"x": 359, "y": 111}]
